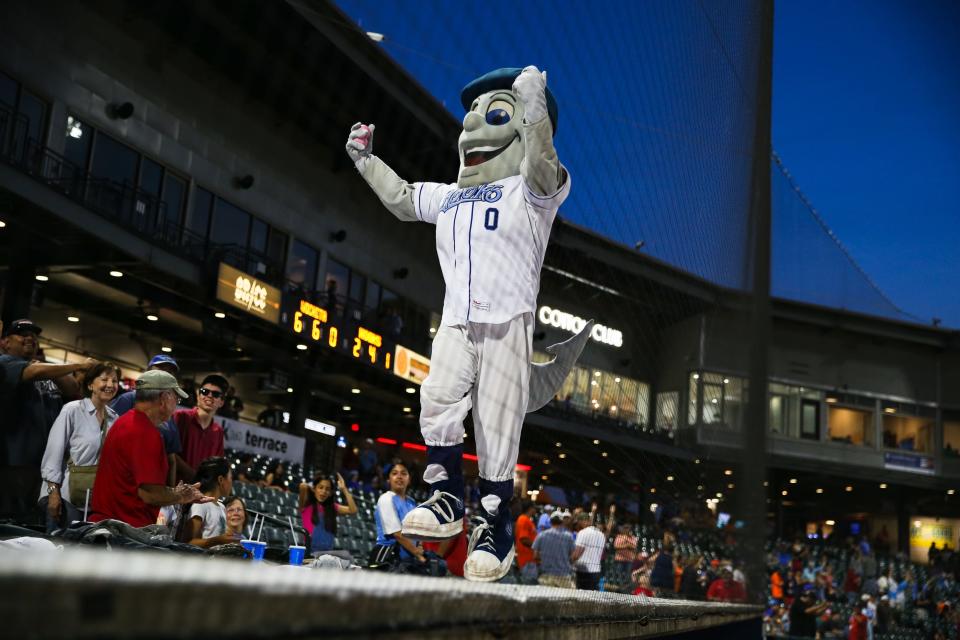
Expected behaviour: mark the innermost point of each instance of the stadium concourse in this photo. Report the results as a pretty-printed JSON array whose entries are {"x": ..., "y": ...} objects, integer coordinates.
[{"x": 174, "y": 195}]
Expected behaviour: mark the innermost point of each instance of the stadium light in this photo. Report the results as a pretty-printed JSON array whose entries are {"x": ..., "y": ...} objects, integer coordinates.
[
  {"x": 830, "y": 523},
  {"x": 220, "y": 315},
  {"x": 784, "y": 492},
  {"x": 883, "y": 485},
  {"x": 819, "y": 490},
  {"x": 376, "y": 37},
  {"x": 669, "y": 478},
  {"x": 302, "y": 347},
  {"x": 406, "y": 409},
  {"x": 354, "y": 391},
  {"x": 849, "y": 488},
  {"x": 116, "y": 274},
  {"x": 793, "y": 481},
  {"x": 731, "y": 486},
  {"x": 152, "y": 318},
  {"x": 546, "y": 461},
  {"x": 166, "y": 349},
  {"x": 289, "y": 389},
  {"x": 728, "y": 472},
  {"x": 562, "y": 456},
  {"x": 346, "y": 407},
  {"x": 2, "y": 224},
  {"x": 596, "y": 442},
  {"x": 596, "y": 484},
  {"x": 917, "y": 523},
  {"x": 40, "y": 277},
  {"x": 559, "y": 444},
  {"x": 612, "y": 471},
  {"x": 604, "y": 454},
  {"x": 410, "y": 390},
  {"x": 950, "y": 492},
  {"x": 73, "y": 319}
]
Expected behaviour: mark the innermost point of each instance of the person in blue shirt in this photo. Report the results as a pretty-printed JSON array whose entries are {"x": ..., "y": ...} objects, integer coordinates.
[
  {"x": 544, "y": 522},
  {"x": 392, "y": 546}
]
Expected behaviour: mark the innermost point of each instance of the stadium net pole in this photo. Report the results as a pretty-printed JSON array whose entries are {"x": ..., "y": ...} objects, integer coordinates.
[{"x": 754, "y": 464}]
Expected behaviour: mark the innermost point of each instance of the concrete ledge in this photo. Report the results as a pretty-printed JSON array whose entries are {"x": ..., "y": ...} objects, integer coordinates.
[{"x": 91, "y": 593}]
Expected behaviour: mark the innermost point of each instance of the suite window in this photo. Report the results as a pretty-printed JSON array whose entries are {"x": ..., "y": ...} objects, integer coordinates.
[
  {"x": 277, "y": 246},
  {"x": 794, "y": 411},
  {"x": 114, "y": 161},
  {"x": 667, "y": 408},
  {"x": 336, "y": 283},
  {"x": 302, "y": 271},
  {"x": 23, "y": 118},
  {"x": 951, "y": 434},
  {"x": 850, "y": 425},
  {"x": 230, "y": 226},
  {"x": 198, "y": 222},
  {"x": 174, "y": 197},
  {"x": 78, "y": 142},
  {"x": 906, "y": 432}
]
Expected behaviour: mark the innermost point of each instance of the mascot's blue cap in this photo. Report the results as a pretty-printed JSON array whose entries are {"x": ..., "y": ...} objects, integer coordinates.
[{"x": 503, "y": 79}]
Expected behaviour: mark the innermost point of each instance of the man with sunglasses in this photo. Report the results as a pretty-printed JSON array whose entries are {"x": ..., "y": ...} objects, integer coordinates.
[
  {"x": 31, "y": 396},
  {"x": 200, "y": 436}
]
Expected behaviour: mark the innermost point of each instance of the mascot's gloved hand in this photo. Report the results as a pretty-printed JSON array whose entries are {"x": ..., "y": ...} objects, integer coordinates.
[
  {"x": 530, "y": 86},
  {"x": 360, "y": 143}
]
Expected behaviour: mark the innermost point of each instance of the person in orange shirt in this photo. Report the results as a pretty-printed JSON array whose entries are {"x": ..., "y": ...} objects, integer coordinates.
[
  {"x": 525, "y": 531},
  {"x": 776, "y": 585},
  {"x": 677, "y": 572}
]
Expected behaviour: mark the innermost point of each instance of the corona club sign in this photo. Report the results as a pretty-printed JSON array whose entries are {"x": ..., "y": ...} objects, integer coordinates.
[
  {"x": 569, "y": 322},
  {"x": 245, "y": 292}
]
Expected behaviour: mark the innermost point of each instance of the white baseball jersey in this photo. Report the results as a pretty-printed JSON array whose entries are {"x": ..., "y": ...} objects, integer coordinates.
[{"x": 491, "y": 240}]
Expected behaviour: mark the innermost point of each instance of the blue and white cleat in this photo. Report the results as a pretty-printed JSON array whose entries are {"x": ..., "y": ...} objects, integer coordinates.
[
  {"x": 490, "y": 550},
  {"x": 440, "y": 517}
]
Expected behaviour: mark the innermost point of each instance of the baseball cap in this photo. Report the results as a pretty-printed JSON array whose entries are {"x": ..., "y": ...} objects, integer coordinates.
[
  {"x": 21, "y": 326},
  {"x": 556, "y": 518},
  {"x": 163, "y": 359},
  {"x": 548, "y": 508},
  {"x": 156, "y": 380},
  {"x": 503, "y": 79}
]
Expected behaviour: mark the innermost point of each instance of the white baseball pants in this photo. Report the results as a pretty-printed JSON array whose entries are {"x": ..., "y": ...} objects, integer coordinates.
[{"x": 485, "y": 367}]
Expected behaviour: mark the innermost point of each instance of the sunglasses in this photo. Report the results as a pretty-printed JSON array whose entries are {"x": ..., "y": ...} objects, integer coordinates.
[{"x": 216, "y": 395}]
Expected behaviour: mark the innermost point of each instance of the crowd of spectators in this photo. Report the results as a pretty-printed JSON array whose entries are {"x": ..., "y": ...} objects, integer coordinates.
[{"x": 142, "y": 457}]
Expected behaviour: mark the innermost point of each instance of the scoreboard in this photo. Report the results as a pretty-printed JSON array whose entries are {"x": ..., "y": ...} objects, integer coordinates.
[{"x": 314, "y": 325}]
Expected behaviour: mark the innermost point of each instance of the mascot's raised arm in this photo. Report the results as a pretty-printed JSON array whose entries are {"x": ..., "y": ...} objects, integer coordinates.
[{"x": 493, "y": 226}]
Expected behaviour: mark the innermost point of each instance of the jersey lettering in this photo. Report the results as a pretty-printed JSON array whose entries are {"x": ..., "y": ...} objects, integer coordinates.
[
  {"x": 491, "y": 218},
  {"x": 480, "y": 193}
]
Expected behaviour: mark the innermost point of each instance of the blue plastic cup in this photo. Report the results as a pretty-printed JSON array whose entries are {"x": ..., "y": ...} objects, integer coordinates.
[
  {"x": 256, "y": 548},
  {"x": 296, "y": 554}
]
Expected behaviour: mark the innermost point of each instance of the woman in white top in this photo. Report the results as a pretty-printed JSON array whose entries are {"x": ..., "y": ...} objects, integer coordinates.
[
  {"x": 207, "y": 522},
  {"x": 76, "y": 436}
]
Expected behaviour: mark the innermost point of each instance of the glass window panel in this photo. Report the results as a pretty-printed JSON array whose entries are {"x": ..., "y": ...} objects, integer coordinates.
[
  {"x": 778, "y": 414},
  {"x": 151, "y": 177},
  {"x": 951, "y": 435},
  {"x": 77, "y": 146},
  {"x": 908, "y": 433},
  {"x": 302, "y": 271},
  {"x": 31, "y": 121},
  {"x": 371, "y": 300},
  {"x": 852, "y": 426},
  {"x": 358, "y": 285},
  {"x": 277, "y": 247},
  {"x": 8, "y": 92},
  {"x": 230, "y": 226},
  {"x": 336, "y": 282},
  {"x": 259, "y": 231},
  {"x": 174, "y": 196},
  {"x": 693, "y": 393},
  {"x": 199, "y": 220},
  {"x": 734, "y": 401},
  {"x": 712, "y": 402},
  {"x": 114, "y": 161},
  {"x": 667, "y": 402}
]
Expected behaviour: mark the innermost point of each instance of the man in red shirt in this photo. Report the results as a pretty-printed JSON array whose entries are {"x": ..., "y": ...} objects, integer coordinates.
[
  {"x": 200, "y": 436},
  {"x": 525, "y": 531},
  {"x": 726, "y": 589},
  {"x": 131, "y": 477}
]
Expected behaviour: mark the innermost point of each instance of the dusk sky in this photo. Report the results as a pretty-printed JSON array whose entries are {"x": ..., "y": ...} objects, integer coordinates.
[{"x": 865, "y": 118}]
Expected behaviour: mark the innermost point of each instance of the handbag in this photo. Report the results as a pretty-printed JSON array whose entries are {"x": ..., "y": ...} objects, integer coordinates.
[{"x": 83, "y": 476}]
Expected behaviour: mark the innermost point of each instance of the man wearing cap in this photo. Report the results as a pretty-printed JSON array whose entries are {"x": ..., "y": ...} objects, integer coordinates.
[
  {"x": 31, "y": 396},
  {"x": 725, "y": 588},
  {"x": 132, "y": 474},
  {"x": 553, "y": 550},
  {"x": 543, "y": 523},
  {"x": 168, "y": 430},
  {"x": 200, "y": 436}
]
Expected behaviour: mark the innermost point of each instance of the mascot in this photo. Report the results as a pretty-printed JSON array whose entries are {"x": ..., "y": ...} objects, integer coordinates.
[{"x": 493, "y": 226}]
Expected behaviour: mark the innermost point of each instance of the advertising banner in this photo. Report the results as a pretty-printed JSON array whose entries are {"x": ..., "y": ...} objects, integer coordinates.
[
  {"x": 907, "y": 462},
  {"x": 410, "y": 365},
  {"x": 250, "y": 438},
  {"x": 245, "y": 292}
]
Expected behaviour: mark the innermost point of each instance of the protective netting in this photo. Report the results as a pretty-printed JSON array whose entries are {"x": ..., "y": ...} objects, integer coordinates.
[{"x": 810, "y": 263}]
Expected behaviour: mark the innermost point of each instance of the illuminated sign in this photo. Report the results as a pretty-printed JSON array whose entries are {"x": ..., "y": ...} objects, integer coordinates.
[
  {"x": 319, "y": 427},
  {"x": 410, "y": 365},
  {"x": 245, "y": 292},
  {"x": 573, "y": 324},
  {"x": 314, "y": 324}
]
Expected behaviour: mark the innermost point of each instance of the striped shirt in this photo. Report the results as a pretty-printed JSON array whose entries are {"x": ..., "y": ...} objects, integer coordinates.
[{"x": 592, "y": 541}]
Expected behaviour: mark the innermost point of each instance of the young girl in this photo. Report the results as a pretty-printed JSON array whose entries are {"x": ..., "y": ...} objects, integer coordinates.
[
  {"x": 393, "y": 505},
  {"x": 206, "y": 524},
  {"x": 236, "y": 512},
  {"x": 319, "y": 509}
]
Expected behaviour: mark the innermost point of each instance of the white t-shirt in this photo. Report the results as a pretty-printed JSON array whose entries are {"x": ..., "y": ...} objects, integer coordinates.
[
  {"x": 214, "y": 517},
  {"x": 592, "y": 541},
  {"x": 491, "y": 240}
]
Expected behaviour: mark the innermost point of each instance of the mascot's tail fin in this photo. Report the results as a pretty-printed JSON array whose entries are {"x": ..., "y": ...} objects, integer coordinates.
[{"x": 546, "y": 378}]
